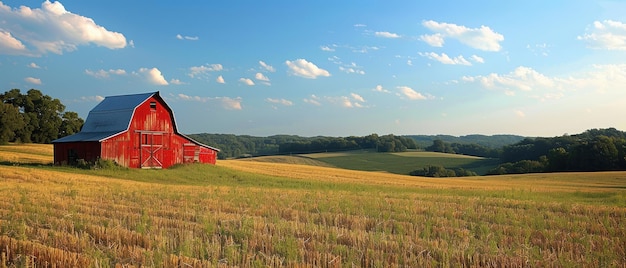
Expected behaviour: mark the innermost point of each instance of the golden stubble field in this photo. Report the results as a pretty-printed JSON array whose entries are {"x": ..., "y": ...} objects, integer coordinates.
[{"x": 250, "y": 214}]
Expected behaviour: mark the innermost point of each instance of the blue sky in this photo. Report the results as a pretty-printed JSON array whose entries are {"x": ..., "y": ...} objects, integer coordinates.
[{"x": 333, "y": 68}]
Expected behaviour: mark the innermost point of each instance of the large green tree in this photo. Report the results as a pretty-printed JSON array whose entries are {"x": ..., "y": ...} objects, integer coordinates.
[
  {"x": 11, "y": 121},
  {"x": 43, "y": 118}
]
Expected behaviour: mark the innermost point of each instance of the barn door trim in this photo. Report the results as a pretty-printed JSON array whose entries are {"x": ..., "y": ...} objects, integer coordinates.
[{"x": 151, "y": 148}]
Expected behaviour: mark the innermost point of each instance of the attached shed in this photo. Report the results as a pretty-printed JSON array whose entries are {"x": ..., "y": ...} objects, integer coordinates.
[{"x": 137, "y": 131}]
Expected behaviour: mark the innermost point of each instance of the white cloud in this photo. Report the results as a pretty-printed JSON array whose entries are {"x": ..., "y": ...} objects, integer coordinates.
[
  {"x": 482, "y": 38},
  {"x": 386, "y": 35},
  {"x": 520, "y": 113},
  {"x": 358, "y": 25},
  {"x": 522, "y": 78},
  {"x": 34, "y": 65},
  {"x": 352, "y": 101},
  {"x": 445, "y": 59},
  {"x": 357, "y": 97},
  {"x": 11, "y": 46},
  {"x": 261, "y": 77},
  {"x": 220, "y": 80},
  {"x": 327, "y": 48},
  {"x": 153, "y": 76},
  {"x": 280, "y": 101},
  {"x": 191, "y": 38},
  {"x": 105, "y": 74},
  {"x": 351, "y": 70},
  {"x": 51, "y": 28},
  {"x": 33, "y": 80},
  {"x": 477, "y": 59},
  {"x": 410, "y": 93},
  {"x": 434, "y": 40},
  {"x": 303, "y": 68},
  {"x": 96, "y": 98},
  {"x": 226, "y": 102},
  {"x": 607, "y": 34},
  {"x": 267, "y": 67},
  {"x": 539, "y": 86},
  {"x": 380, "y": 88},
  {"x": 176, "y": 82},
  {"x": 315, "y": 100},
  {"x": 202, "y": 70},
  {"x": 246, "y": 81},
  {"x": 230, "y": 103}
]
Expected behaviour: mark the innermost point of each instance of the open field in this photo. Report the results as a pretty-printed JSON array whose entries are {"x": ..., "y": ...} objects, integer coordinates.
[
  {"x": 26, "y": 153},
  {"x": 404, "y": 162},
  {"x": 254, "y": 214}
]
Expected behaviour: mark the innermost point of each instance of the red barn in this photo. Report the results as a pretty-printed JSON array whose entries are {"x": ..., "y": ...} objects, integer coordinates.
[{"x": 137, "y": 131}]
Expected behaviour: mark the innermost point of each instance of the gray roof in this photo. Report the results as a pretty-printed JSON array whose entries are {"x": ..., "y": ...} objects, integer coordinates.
[{"x": 109, "y": 118}]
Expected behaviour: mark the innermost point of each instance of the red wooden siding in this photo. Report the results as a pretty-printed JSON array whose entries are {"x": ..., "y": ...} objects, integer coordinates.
[{"x": 151, "y": 141}]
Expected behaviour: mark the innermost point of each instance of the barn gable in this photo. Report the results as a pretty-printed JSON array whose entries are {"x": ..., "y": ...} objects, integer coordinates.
[{"x": 136, "y": 130}]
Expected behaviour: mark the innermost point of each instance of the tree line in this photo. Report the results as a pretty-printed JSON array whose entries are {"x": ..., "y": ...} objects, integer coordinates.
[
  {"x": 592, "y": 150},
  {"x": 234, "y": 146},
  {"x": 35, "y": 117}
]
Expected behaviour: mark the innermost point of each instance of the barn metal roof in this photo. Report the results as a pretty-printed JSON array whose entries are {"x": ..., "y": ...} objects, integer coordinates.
[{"x": 112, "y": 116}]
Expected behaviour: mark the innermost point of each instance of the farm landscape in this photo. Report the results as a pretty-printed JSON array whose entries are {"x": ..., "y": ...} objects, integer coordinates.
[{"x": 284, "y": 212}]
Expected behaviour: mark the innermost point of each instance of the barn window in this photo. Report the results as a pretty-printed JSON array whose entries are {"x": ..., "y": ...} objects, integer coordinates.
[{"x": 153, "y": 105}]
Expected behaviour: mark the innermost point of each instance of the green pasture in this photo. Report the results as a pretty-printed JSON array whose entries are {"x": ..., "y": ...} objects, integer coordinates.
[{"x": 403, "y": 163}]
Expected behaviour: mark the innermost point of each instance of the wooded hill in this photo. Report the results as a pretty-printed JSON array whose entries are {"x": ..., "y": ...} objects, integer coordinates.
[{"x": 234, "y": 146}]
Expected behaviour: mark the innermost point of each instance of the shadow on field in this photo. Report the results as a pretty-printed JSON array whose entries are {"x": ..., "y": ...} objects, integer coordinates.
[{"x": 24, "y": 164}]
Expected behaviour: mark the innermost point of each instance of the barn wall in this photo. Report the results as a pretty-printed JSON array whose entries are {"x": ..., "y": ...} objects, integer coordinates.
[
  {"x": 69, "y": 153},
  {"x": 151, "y": 140}
]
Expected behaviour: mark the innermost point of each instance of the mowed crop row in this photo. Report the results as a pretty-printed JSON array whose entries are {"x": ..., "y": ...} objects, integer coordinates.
[{"x": 265, "y": 214}]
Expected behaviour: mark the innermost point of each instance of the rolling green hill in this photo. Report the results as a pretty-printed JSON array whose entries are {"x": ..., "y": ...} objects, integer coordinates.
[{"x": 398, "y": 163}]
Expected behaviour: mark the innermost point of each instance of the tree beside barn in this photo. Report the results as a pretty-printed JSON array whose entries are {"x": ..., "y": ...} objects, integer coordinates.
[{"x": 137, "y": 131}]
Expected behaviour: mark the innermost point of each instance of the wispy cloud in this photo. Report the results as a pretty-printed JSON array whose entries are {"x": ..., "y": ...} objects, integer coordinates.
[
  {"x": 411, "y": 94},
  {"x": 226, "y": 102},
  {"x": 191, "y": 38},
  {"x": 105, "y": 74},
  {"x": 33, "y": 80},
  {"x": 202, "y": 70},
  {"x": 327, "y": 48},
  {"x": 445, "y": 59},
  {"x": 246, "y": 81},
  {"x": 380, "y": 88},
  {"x": 260, "y": 76},
  {"x": 51, "y": 29},
  {"x": 482, "y": 38},
  {"x": 176, "y": 82},
  {"x": 542, "y": 87},
  {"x": 303, "y": 68},
  {"x": 387, "y": 35},
  {"x": 280, "y": 101},
  {"x": 220, "y": 80},
  {"x": 267, "y": 67},
  {"x": 33, "y": 65},
  {"x": 607, "y": 34},
  {"x": 315, "y": 100}
]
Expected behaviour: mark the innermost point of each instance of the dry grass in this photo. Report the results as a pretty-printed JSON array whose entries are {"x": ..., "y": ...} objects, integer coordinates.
[
  {"x": 26, "y": 153},
  {"x": 543, "y": 182},
  {"x": 298, "y": 215}
]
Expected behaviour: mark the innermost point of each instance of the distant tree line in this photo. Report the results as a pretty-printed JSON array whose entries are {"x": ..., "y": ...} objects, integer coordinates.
[
  {"x": 234, "y": 146},
  {"x": 592, "y": 150},
  {"x": 491, "y": 142},
  {"x": 473, "y": 149},
  {"x": 386, "y": 143},
  {"x": 34, "y": 117},
  {"x": 439, "y": 172}
]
